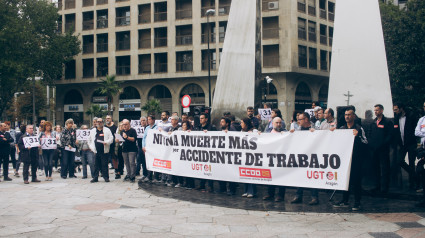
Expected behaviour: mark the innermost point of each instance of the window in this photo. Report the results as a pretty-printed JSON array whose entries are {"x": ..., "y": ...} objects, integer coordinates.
[
  {"x": 205, "y": 29},
  {"x": 145, "y": 39},
  {"x": 102, "y": 19},
  {"x": 183, "y": 9},
  {"x": 123, "y": 40},
  {"x": 161, "y": 65},
  {"x": 160, "y": 11},
  {"x": 270, "y": 56},
  {"x": 184, "y": 35},
  {"x": 144, "y": 13},
  {"x": 122, "y": 16},
  {"x": 312, "y": 7},
  {"x": 331, "y": 33},
  {"x": 312, "y": 31},
  {"x": 69, "y": 22},
  {"x": 70, "y": 70},
  {"x": 69, "y": 4},
  {"x": 123, "y": 65},
  {"x": 302, "y": 34},
  {"x": 222, "y": 30},
  {"x": 312, "y": 58},
  {"x": 323, "y": 36},
  {"x": 88, "y": 44},
  {"x": 88, "y": 21},
  {"x": 213, "y": 59},
  {"x": 145, "y": 64},
  {"x": 270, "y": 27},
  {"x": 102, "y": 42},
  {"x": 102, "y": 67},
  {"x": 161, "y": 37},
  {"x": 88, "y": 68},
  {"x": 302, "y": 56},
  {"x": 184, "y": 61},
  {"x": 87, "y": 3},
  {"x": 331, "y": 9},
  {"x": 322, "y": 9},
  {"x": 323, "y": 60},
  {"x": 301, "y": 6}
]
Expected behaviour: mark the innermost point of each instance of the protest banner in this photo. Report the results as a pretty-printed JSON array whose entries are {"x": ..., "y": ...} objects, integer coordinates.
[{"x": 319, "y": 159}]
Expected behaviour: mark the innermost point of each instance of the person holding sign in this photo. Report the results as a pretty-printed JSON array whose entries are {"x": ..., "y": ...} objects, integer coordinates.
[
  {"x": 5, "y": 140},
  {"x": 68, "y": 142},
  {"x": 141, "y": 160},
  {"x": 28, "y": 155},
  {"x": 87, "y": 156},
  {"x": 129, "y": 150},
  {"x": 99, "y": 142},
  {"x": 151, "y": 126},
  {"x": 48, "y": 147}
]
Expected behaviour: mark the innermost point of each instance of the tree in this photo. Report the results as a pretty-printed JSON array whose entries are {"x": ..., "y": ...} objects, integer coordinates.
[
  {"x": 109, "y": 87},
  {"x": 152, "y": 107},
  {"x": 30, "y": 45},
  {"x": 24, "y": 102},
  {"x": 404, "y": 34},
  {"x": 96, "y": 110}
]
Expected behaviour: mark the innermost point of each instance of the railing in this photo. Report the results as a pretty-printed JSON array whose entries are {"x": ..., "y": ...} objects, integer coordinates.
[
  {"x": 102, "y": 23},
  {"x": 122, "y": 21},
  {"x": 301, "y": 7},
  {"x": 123, "y": 45},
  {"x": 160, "y": 16},
  {"x": 302, "y": 35},
  {"x": 324, "y": 65},
  {"x": 88, "y": 48},
  {"x": 102, "y": 71},
  {"x": 312, "y": 36},
  {"x": 204, "y": 38},
  {"x": 302, "y": 61},
  {"x": 144, "y": 43},
  {"x": 87, "y": 3},
  {"x": 88, "y": 73},
  {"x": 100, "y": 2},
  {"x": 221, "y": 36},
  {"x": 331, "y": 16},
  {"x": 311, "y": 11},
  {"x": 213, "y": 64},
  {"x": 161, "y": 67},
  {"x": 123, "y": 69},
  {"x": 223, "y": 10},
  {"x": 312, "y": 63},
  {"x": 322, "y": 13},
  {"x": 270, "y": 33},
  {"x": 88, "y": 24},
  {"x": 184, "y": 40},
  {"x": 270, "y": 61},
  {"x": 323, "y": 40},
  {"x": 184, "y": 66},
  {"x": 70, "y": 27},
  {"x": 184, "y": 14},
  {"x": 69, "y": 4},
  {"x": 144, "y": 18},
  {"x": 160, "y": 41},
  {"x": 102, "y": 47},
  {"x": 145, "y": 68},
  {"x": 204, "y": 10}
]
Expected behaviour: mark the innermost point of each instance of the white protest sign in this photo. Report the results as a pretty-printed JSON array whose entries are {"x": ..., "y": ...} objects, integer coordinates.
[
  {"x": 119, "y": 137},
  {"x": 134, "y": 123},
  {"x": 310, "y": 112},
  {"x": 48, "y": 143},
  {"x": 140, "y": 131},
  {"x": 31, "y": 141},
  {"x": 70, "y": 149},
  {"x": 266, "y": 113},
  {"x": 319, "y": 159},
  {"x": 83, "y": 135}
]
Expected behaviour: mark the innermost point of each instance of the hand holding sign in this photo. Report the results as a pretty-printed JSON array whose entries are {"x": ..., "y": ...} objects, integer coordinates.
[
  {"x": 83, "y": 135},
  {"x": 140, "y": 131},
  {"x": 48, "y": 144},
  {"x": 266, "y": 113},
  {"x": 31, "y": 141},
  {"x": 134, "y": 123}
]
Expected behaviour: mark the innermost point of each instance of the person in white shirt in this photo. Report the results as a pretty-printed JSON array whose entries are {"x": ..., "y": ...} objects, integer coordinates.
[{"x": 99, "y": 142}]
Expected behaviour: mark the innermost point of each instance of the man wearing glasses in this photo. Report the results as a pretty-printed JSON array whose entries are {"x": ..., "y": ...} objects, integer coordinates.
[{"x": 99, "y": 142}]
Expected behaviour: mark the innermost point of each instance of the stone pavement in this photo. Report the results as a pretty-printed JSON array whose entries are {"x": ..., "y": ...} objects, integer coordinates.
[{"x": 76, "y": 208}]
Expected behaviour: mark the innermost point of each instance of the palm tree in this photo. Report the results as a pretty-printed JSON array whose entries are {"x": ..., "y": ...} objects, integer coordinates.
[
  {"x": 96, "y": 110},
  {"x": 109, "y": 87},
  {"x": 152, "y": 107}
]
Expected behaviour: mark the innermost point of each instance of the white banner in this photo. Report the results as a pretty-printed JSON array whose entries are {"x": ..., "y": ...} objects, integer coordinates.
[
  {"x": 320, "y": 159},
  {"x": 31, "y": 141},
  {"x": 48, "y": 143},
  {"x": 266, "y": 113},
  {"x": 140, "y": 131},
  {"x": 83, "y": 135}
]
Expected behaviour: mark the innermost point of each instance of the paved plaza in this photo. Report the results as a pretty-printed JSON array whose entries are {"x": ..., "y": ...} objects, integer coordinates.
[{"x": 76, "y": 208}]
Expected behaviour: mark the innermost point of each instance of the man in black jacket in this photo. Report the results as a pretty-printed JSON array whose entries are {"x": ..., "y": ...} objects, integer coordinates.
[
  {"x": 405, "y": 140},
  {"x": 29, "y": 156},
  {"x": 380, "y": 140},
  {"x": 5, "y": 140}
]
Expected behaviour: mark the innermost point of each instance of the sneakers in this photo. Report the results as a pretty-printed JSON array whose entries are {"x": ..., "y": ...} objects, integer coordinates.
[
  {"x": 26, "y": 182},
  {"x": 250, "y": 196},
  {"x": 356, "y": 207},
  {"x": 245, "y": 195},
  {"x": 313, "y": 201},
  {"x": 297, "y": 200},
  {"x": 168, "y": 184},
  {"x": 341, "y": 204},
  {"x": 178, "y": 185}
]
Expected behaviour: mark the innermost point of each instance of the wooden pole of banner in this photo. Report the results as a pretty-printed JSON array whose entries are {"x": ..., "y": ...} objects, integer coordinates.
[{"x": 332, "y": 196}]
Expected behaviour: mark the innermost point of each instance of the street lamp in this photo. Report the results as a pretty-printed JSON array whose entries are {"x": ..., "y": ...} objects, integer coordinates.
[
  {"x": 208, "y": 13},
  {"x": 267, "y": 81}
]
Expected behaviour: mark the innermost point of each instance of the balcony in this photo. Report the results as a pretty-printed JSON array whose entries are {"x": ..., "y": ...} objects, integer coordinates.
[
  {"x": 270, "y": 61},
  {"x": 302, "y": 35},
  {"x": 301, "y": 7},
  {"x": 122, "y": 21},
  {"x": 144, "y": 43},
  {"x": 102, "y": 47},
  {"x": 324, "y": 65},
  {"x": 88, "y": 48},
  {"x": 213, "y": 64},
  {"x": 204, "y": 38},
  {"x": 88, "y": 25},
  {"x": 161, "y": 42},
  {"x": 102, "y": 23},
  {"x": 145, "y": 18},
  {"x": 87, "y": 3},
  {"x": 70, "y": 27},
  {"x": 69, "y": 4},
  {"x": 312, "y": 10},
  {"x": 160, "y": 16},
  {"x": 145, "y": 68},
  {"x": 221, "y": 36},
  {"x": 323, "y": 40},
  {"x": 312, "y": 36},
  {"x": 123, "y": 45},
  {"x": 184, "y": 66},
  {"x": 184, "y": 40},
  {"x": 161, "y": 67},
  {"x": 123, "y": 69},
  {"x": 224, "y": 10},
  {"x": 100, "y": 2},
  {"x": 322, "y": 14},
  {"x": 183, "y": 14},
  {"x": 270, "y": 33},
  {"x": 331, "y": 16}
]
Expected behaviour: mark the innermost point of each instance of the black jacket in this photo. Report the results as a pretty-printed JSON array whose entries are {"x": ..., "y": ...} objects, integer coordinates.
[
  {"x": 207, "y": 127},
  {"x": 25, "y": 154},
  {"x": 5, "y": 144},
  {"x": 409, "y": 131},
  {"x": 381, "y": 135}
]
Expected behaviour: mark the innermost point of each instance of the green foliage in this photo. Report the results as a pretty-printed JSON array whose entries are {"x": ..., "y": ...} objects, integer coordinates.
[
  {"x": 30, "y": 45},
  {"x": 109, "y": 87},
  {"x": 404, "y": 34},
  {"x": 152, "y": 107},
  {"x": 96, "y": 110},
  {"x": 24, "y": 102}
]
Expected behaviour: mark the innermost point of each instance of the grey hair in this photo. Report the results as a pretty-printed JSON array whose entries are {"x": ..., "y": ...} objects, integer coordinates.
[
  {"x": 83, "y": 126},
  {"x": 175, "y": 118},
  {"x": 69, "y": 121},
  {"x": 95, "y": 118},
  {"x": 143, "y": 117}
]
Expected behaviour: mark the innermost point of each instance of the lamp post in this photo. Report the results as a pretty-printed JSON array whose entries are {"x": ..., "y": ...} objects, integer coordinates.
[
  {"x": 208, "y": 13},
  {"x": 267, "y": 81}
]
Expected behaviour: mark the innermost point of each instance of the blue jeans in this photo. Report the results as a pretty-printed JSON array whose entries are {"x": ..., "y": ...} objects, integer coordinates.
[
  {"x": 87, "y": 157},
  {"x": 48, "y": 161},
  {"x": 67, "y": 163}
]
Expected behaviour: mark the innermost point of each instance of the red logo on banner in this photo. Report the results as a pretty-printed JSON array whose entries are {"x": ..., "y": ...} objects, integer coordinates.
[
  {"x": 255, "y": 173},
  {"x": 162, "y": 163}
]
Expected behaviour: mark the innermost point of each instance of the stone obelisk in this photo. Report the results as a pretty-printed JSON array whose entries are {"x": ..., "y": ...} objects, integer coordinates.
[
  {"x": 239, "y": 68},
  {"x": 359, "y": 63}
]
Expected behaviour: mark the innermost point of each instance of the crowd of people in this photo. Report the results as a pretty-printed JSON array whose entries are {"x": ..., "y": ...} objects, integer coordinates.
[{"x": 121, "y": 146}]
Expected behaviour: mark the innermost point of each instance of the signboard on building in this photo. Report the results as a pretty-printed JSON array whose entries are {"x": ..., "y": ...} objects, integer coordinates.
[
  {"x": 73, "y": 108},
  {"x": 130, "y": 105},
  {"x": 100, "y": 99}
]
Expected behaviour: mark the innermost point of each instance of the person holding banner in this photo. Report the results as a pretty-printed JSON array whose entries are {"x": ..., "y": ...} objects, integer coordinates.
[
  {"x": 330, "y": 121},
  {"x": 275, "y": 113},
  {"x": 5, "y": 141},
  {"x": 305, "y": 125},
  {"x": 87, "y": 156},
  {"x": 99, "y": 142},
  {"x": 28, "y": 155},
  {"x": 250, "y": 114},
  {"x": 360, "y": 142},
  {"x": 170, "y": 179},
  {"x": 190, "y": 182},
  {"x": 49, "y": 145},
  {"x": 151, "y": 126},
  {"x": 225, "y": 124},
  {"x": 68, "y": 143},
  {"x": 250, "y": 190},
  {"x": 129, "y": 150}
]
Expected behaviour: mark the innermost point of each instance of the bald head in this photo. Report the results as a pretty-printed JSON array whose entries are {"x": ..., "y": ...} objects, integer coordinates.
[
  {"x": 277, "y": 124},
  {"x": 126, "y": 124}
]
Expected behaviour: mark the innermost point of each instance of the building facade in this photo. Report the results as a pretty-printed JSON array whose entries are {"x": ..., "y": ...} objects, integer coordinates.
[{"x": 158, "y": 49}]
